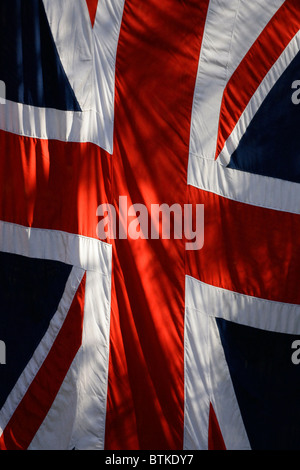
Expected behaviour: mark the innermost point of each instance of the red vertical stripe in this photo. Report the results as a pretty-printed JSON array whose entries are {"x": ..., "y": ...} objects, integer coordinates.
[
  {"x": 39, "y": 397},
  {"x": 155, "y": 78}
]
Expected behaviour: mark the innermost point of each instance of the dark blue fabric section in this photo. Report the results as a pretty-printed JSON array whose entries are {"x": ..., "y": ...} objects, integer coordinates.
[
  {"x": 266, "y": 383},
  {"x": 30, "y": 291},
  {"x": 29, "y": 63},
  {"x": 271, "y": 144}
]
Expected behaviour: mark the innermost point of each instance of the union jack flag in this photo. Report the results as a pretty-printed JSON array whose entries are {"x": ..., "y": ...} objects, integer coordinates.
[{"x": 133, "y": 344}]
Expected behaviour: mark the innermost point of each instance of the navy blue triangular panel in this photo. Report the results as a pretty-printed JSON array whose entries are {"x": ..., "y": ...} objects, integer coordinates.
[
  {"x": 30, "y": 291},
  {"x": 271, "y": 144},
  {"x": 266, "y": 384},
  {"x": 29, "y": 62}
]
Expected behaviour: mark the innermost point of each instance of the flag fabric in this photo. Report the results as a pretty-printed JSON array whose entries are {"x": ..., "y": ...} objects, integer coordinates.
[{"x": 131, "y": 343}]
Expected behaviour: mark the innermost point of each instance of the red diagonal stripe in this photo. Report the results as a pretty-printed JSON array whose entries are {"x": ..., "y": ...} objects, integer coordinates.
[
  {"x": 92, "y": 6},
  {"x": 260, "y": 58},
  {"x": 39, "y": 397}
]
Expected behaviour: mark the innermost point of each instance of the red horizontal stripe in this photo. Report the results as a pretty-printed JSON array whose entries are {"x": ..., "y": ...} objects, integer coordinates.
[
  {"x": 260, "y": 58},
  {"x": 52, "y": 184},
  {"x": 215, "y": 438},
  {"x": 247, "y": 249},
  {"x": 40, "y": 395}
]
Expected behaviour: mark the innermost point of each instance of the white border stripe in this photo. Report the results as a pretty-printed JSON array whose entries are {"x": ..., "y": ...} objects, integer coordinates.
[
  {"x": 223, "y": 398},
  {"x": 257, "y": 99},
  {"x": 88, "y": 56},
  {"x": 241, "y": 186},
  {"x": 71, "y": 29},
  {"x": 196, "y": 381},
  {"x": 243, "y": 309},
  {"x": 89, "y": 426},
  {"x": 211, "y": 76},
  {"x": 216, "y": 64},
  {"x": 106, "y": 33},
  {"x": 86, "y": 253},
  {"x": 53, "y": 124},
  {"x": 207, "y": 379},
  {"x": 56, "y": 431}
]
